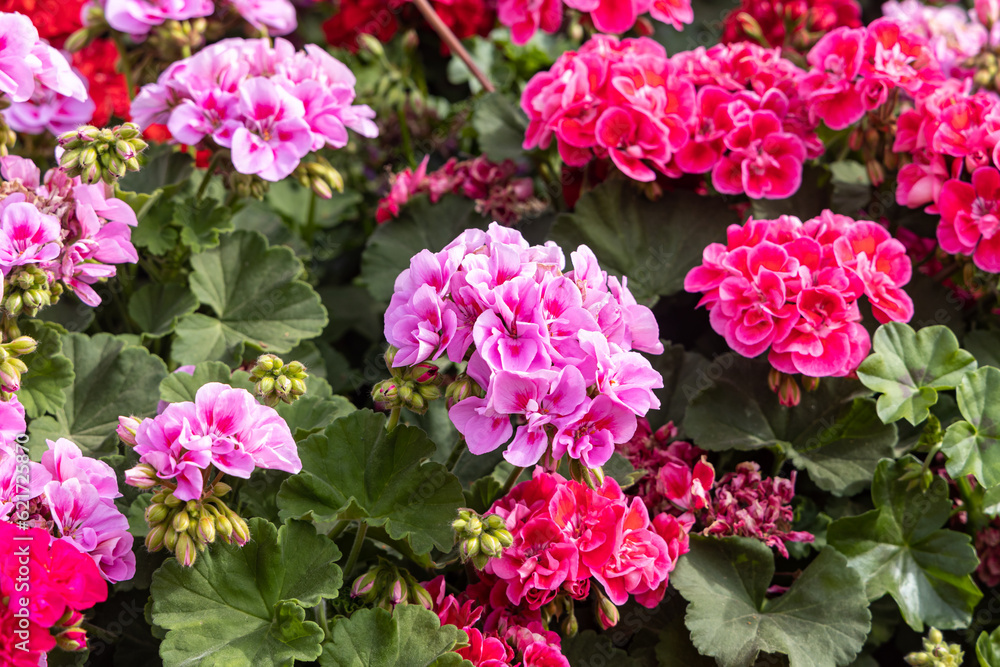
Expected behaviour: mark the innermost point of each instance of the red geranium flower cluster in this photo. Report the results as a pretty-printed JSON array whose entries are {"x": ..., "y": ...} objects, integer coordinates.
[
  {"x": 498, "y": 194},
  {"x": 565, "y": 533},
  {"x": 750, "y": 505},
  {"x": 794, "y": 287},
  {"x": 45, "y": 584},
  {"x": 795, "y": 24},
  {"x": 382, "y": 19},
  {"x": 499, "y": 636},
  {"x": 732, "y": 110}
]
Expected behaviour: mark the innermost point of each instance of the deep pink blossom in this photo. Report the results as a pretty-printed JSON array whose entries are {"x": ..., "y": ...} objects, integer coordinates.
[{"x": 970, "y": 218}]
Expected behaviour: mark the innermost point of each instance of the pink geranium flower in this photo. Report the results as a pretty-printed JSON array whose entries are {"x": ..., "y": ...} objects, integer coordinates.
[
  {"x": 970, "y": 218},
  {"x": 27, "y": 236},
  {"x": 275, "y": 135},
  {"x": 764, "y": 161}
]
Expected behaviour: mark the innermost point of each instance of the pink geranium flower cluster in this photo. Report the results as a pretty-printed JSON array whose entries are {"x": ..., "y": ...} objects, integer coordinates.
[
  {"x": 498, "y": 638},
  {"x": 734, "y": 111},
  {"x": 556, "y": 349},
  {"x": 677, "y": 477},
  {"x": 987, "y": 544},
  {"x": 750, "y": 505},
  {"x": 223, "y": 429},
  {"x": 75, "y": 233},
  {"x": 138, "y": 17},
  {"x": 498, "y": 193},
  {"x": 953, "y": 33},
  {"x": 270, "y": 105},
  {"x": 524, "y": 17},
  {"x": 566, "y": 533},
  {"x": 44, "y": 91},
  {"x": 854, "y": 70},
  {"x": 793, "y": 287},
  {"x": 62, "y": 582}
]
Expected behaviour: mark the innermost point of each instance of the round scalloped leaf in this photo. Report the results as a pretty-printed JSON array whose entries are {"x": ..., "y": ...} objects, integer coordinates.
[
  {"x": 410, "y": 636},
  {"x": 973, "y": 446}
]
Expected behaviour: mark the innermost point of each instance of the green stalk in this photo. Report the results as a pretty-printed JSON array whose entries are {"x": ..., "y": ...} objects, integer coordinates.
[{"x": 359, "y": 540}]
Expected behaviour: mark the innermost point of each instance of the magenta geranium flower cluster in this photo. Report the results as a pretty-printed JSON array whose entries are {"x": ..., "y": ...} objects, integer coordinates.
[
  {"x": 793, "y": 287},
  {"x": 224, "y": 429},
  {"x": 270, "y": 105},
  {"x": 556, "y": 349},
  {"x": 525, "y": 17},
  {"x": 44, "y": 91},
  {"x": 566, "y": 534},
  {"x": 73, "y": 233}
]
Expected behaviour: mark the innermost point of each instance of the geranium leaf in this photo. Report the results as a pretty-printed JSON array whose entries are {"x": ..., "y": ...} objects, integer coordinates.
[
  {"x": 157, "y": 307},
  {"x": 834, "y": 433},
  {"x": 244, "y": 605},
  {"x": 654, "y": 244},
  {"x": 973, "y": 446},
  {"x": 909, "y": 367},
  {"x": 410, "y": 636},
  {"x": 821, "y": 621},
  {"x": 901, "y": 548},
  {"x": 355, "y": 469},
  {"x": 500, "y": 125},
  {"x": 988, "y": 649},
  {"x": 257, "y": 298},
  {"x": 111, "y": 379},
  {"x": 178, "y": 387},
  {"x": 581, "y": 650},
  {"x": 309, "y": 414},
  {"x": 49, "y": 373},
  {"x": 201, "y": 222},
  {"x": 421, "y": 224}
]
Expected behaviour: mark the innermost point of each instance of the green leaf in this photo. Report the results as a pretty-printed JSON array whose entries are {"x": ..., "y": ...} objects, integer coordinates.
[
  {"x": 900, "y": 548},
  {"x": 821, "y": 621},
  {"x": 157, "y": 307},
  {"x": 309, "y": 414},
  {"x": 201, "y": 222},
  {"x": 500, "y": 124},
  {"x": 355, "y": 469},
  {"x": 111, "y": 379},
  {"x": 653, "y": 243},
  {"x": 684, "y": 375},
  {"x": 179, "y": 387},
  {"x": 244, "y": 606},
  {"x": 421, "y": 224},
  {"x": 984, "y": 346},
  {"x": 410, "y": 636},
  {"x": 49, "y": 372},
  {"x": 257, "y": 298},
  {"x": 909, "y": 367},
  {"x": 482, "y": 494},
  {"x": 988, "y": 649},
  {"x": 834, "y": 433},
  {"x": 973, "y": 446},
  {"x": 581, "y": 650}
]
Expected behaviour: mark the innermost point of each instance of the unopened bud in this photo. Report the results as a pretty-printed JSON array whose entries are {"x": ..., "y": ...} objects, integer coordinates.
[
  {"x": 142, "y": 476},
  {"x": 154, "y": 538},
  {"x": 157, "y": 513},
  {"x": 364, "y": 584},
  {"x": 607, "y": 613},
  {"x": 181, "y": 521},
  {"x": 206, "y": 529},
  {"x": 185, "y": 551},
  {"x": 73, "y": 639}
]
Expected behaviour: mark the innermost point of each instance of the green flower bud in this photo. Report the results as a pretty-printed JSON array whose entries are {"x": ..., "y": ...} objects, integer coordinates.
[
  {"x": 224, "y": 528},
  {"x": 420, "y": 596},
  {"x": 170, "y": 538},
  {"x": 490, "y": 545},
  {"x": 221, "y": 489},
  {"x": 22, "y": 345},
  {"x": 156, "y": 513},
  {"x": 154, "y": 538},
  {"x": 570, "y": 626},
  {"x": 185, "y": 550},
  {"x": 173, "y": 501},
  {"x": 494, "y": 522},
  {"x": 181, "y": 521},
  {"x": 206, "y": 529}
]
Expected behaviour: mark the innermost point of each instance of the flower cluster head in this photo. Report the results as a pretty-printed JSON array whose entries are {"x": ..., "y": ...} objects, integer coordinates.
[
  {"x": 499, "y": 194},
  {"x": 101, "y": 154},
  {"x": 57, "y": 233},
  {"x": 353, "y": 19},
  {"x": 854, "y": 70},
  {"x": 43, "y": 90},
  {"x": 278, "y": 382},
  {"x": 793, "y": 24},
  {"x": 793, "y": 287},
  {"x": 223, "y": 429},
  {"x": 72, "y": 498},
  {"x": 63, "y": 583},
  {"x": 734, "y": 111},
  {"x": 678, "y": 479},
  {"x": 525, "y": 17},
  {"x": 566, "y": 533},
  {"x": 498, "y": 636},
  {"x": 386, "y": 586},
  {"x": 139, "y": 17},
  {"x": 269, "y": 105},
  {"x": 750, "y": 505},
  {"x": 556, "y": 349},
  {"x": 953, "y": 33}
]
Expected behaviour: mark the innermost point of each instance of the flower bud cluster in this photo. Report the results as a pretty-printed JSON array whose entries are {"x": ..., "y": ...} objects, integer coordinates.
[
  {"x": 278, "y": 382},
  {"x": 385, "y": 586},
  {"x": 481, "y": 538},
  {"x": 412, "y": 387},
  {"x": 319, "y": 176},
  {"x": 11, "y": 368},
  {"x": 97, "y": 155},
  {"x": 937, "y": 652},
  {"x": 187, "y": 527}
]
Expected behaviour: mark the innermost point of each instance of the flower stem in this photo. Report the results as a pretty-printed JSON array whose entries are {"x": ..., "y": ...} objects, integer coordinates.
[
  {"x": 393, "y": 418},
  {"x": 359, "y": 540},
  {"x": 212, "y": 164},
  {"x": 126, "y": 63},
  {"x": 338, "y": 528},
  {"x": 453, "y": 42},
  {"x": 456, "y": 454},
  {"x": 511, "y": 480},
  {"x": 320, "y": 611}
]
